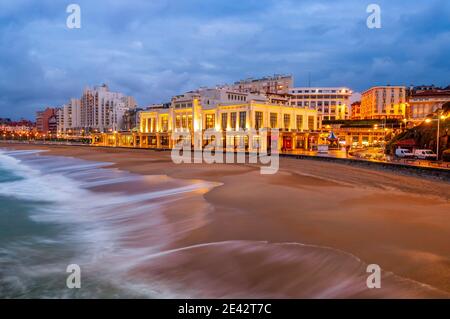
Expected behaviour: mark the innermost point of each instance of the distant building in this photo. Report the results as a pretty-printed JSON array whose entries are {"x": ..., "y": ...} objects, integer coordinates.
[
  {"x": 384, "y": 102},
  {"x": 422, "y": 88},
  {"x": 20, "y": 127},
  {"x": 5, "y": 121},
  {"x": 53, "y": 123},
  {"x": 102, "y": 110},
  {"x": 45, "y": 119},
  {"x": 356, "y": 110},
  {"x": 424, "y": 102},
  {"x": 72, "y": 117},
  {"x": 158, "y": 106},
  {"x": 59, "y": 119},
  {"x": 277, "y": 84},
  {"x": 131, "y": 119},
  {"x": 331, "y": 103}
]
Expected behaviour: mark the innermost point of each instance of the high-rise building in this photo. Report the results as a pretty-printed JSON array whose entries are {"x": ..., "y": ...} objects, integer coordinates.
[
  {"x": 384, "y": 102},
  {"x": 331, "y": 103},
  {"x": 72, "y": 117},
  {"x": 102, "y": 110},
  {"x": 59, "y": 112}
]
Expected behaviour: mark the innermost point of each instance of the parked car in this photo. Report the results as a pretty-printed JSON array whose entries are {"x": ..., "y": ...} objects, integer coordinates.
[
  {"x": 424, "y": 154},
  {"x": 404, "y": 153}
]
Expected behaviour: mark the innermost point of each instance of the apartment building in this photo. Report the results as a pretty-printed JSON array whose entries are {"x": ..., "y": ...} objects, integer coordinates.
[
  {"x": 277, "y": 84},
  {"x": 45, "y": 119},
  {"x": 384, "y": 102},
  {"x": 59, "y": 112},
  {"x": 356, "y": 110},
  {"x": 102, "y": 110},
  {"x": 331, "y": 103},
  {"x": 425, "y": 102}
]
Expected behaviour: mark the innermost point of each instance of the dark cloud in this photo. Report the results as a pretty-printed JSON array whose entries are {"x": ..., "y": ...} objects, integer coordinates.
[{"x": 156, "y": 49}]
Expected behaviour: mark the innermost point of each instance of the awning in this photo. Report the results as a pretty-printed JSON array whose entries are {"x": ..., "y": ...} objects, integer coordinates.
[{"x": 410, "y": 142}]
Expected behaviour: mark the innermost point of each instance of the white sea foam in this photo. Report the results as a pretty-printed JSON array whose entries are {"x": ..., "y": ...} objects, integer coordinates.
[{"x": 99, "y": 222}]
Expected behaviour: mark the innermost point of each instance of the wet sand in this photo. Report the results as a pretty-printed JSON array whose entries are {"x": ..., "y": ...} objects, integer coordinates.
[{"x": 399, "y": 222}]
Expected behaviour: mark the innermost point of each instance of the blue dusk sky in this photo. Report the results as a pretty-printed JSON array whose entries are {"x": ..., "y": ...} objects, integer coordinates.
[{"x": 153, "y": 49}]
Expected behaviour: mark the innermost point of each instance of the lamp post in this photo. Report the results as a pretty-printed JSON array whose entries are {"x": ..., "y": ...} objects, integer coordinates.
[{"x": 439, "y": 118}]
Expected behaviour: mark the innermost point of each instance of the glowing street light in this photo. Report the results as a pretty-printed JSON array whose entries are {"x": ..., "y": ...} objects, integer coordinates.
[{"x": 428, "y": 120}]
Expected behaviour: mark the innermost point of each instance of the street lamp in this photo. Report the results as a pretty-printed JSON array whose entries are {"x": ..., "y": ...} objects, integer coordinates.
[{"x": 439, "y": 118}]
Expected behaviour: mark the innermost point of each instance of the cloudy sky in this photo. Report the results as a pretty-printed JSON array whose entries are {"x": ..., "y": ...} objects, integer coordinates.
[{"x": 153, "y": 49}]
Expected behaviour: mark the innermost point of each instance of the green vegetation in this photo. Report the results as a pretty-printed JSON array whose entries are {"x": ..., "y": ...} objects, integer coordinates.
[{"x": 424, "y": 136}]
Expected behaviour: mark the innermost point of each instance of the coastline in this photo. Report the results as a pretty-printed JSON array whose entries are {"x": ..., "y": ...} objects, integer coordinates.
[{"x": 399, "y": 222}]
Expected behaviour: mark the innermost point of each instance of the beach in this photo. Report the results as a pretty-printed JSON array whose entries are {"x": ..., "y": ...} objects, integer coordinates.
[{"x": 308, "y": 231}]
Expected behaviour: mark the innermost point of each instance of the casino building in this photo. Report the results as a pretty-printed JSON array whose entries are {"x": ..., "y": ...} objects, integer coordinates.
[{"x": 224, "y": 110}]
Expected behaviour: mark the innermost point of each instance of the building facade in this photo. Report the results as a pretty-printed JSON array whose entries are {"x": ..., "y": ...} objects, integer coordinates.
[
  {"x": 44, "y": 120},
  {"x": 426, "y": 102},
  {"x": 72, "y": 117},
  {"x": 331, "y": 103},
  {"x": 356, "y": 110},
  {"x": 22, "y": 127},
  {"x": 102, "y": 110},
  {"x": 59, "y": 113},
  {"x": 277, "y": 84},
  {"x": 384, "y": 102},
  {"x": 222, "y": 110},
  {"x": 131, "y": 119}
]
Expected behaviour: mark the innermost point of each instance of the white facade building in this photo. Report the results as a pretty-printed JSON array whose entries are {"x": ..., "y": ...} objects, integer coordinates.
[
  {"x": 331, "y": 103},
  {"x": 102, "y": 110},
  {"x": 72, "y": 117},
  {"x": 276, "y": 84}
]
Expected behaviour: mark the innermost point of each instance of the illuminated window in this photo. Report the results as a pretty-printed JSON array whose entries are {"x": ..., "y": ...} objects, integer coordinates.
[
  {"x": 242, "y": 119},
  {"x": 299, "y": 122},
  {"x": 273, "y": 120},
  {"x": 287, "y": 121},
  {"x": 233, "y": 120},
  {"x": 258, "y": 120},
  {"x": 224, "y": 121},
  {"x": 311, "y": 122},
  {"x": 209, "y": 121},
  {"x": 165, "y": 123}
]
